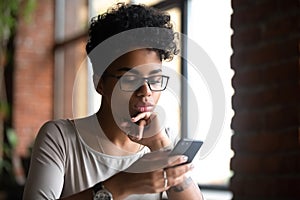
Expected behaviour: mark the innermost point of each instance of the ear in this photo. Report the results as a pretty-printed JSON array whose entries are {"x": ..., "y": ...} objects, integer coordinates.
[{"x": 100, "y": 87}]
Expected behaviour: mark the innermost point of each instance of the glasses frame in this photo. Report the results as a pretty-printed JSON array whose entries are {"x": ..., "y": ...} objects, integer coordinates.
[{"x": 145, "y": 80}]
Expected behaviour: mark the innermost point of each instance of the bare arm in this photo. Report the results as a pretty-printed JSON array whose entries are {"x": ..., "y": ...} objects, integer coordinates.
[{"x": 187, "y": 190}]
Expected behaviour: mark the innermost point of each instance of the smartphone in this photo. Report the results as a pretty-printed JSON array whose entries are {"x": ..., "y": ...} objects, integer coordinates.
[{"x": 187, "y": 147}]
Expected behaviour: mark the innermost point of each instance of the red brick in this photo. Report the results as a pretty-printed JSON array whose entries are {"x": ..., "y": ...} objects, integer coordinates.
[
  {"x": 281, "y": 118},
  {"x": 280, "y": 27},
  {"x": 265, "y": 187},
  {"x": 256, "y": 11},
  {"x": 265, "y": 54},
  {"x": 247, "y": 121},
  {"x": 288, "y": 6},
  {"x": 265, "y": 98},
  {"x": 270, "y": 75},
  {"x": 266, "y": 142},
  {"x": 245, "y": 37},
  {"x": 268, "y": 164},
  {"x": 247, "y": 78},
  {"x": 276, "y": 28},
  {"x": 266, "y": 139},
  {"x": 33, "y": 82}
]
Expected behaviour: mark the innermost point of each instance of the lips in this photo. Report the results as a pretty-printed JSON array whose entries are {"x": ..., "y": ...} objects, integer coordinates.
[{"x": 144, "y": 107}]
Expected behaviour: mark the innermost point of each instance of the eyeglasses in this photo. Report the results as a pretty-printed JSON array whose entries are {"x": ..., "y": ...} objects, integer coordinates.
[{"x": 131, "y": 83}]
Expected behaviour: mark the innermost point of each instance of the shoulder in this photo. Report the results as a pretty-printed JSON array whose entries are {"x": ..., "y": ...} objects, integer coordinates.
[
  {"x": 55, "y": 126},
  {"x": 54, "y": 132},
  {"x": 52, "y": 143}
]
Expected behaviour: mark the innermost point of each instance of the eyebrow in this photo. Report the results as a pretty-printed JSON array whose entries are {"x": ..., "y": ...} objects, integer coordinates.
[
  {"x": 155, "y": 71},
  {"x": 134, "y": 71},
  {"x": 127, "y": 69}
]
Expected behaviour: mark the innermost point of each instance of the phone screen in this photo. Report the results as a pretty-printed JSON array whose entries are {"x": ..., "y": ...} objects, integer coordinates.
[{"x": 187, "y": 147}]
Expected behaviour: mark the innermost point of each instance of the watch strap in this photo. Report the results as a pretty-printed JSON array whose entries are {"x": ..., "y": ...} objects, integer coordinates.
[{"x": 97, "y": 187}]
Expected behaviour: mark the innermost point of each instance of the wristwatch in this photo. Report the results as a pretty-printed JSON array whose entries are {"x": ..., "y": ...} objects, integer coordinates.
[{"x": 100, "y": 193}]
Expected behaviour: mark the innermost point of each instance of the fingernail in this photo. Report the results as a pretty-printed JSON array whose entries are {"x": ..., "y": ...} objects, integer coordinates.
[
  {"x": 184, "y": 158},
  {"x": 192, "y": 166}
]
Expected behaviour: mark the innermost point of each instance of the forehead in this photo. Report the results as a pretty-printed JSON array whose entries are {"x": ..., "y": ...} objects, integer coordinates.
[{"x": 137, "y": 60}]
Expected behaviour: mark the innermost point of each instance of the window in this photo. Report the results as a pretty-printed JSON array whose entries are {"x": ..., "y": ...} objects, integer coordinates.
[
  {"x": 70, "y": 38},
  {"x": 209, "y": 27}
]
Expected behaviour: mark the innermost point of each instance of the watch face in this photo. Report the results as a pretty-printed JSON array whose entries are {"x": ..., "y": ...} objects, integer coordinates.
[{"x": 102, "y": 195}]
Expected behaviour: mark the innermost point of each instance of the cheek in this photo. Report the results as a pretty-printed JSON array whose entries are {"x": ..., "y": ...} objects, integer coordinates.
[
  {"x": 156, "y": 96},
  {"x": 119, "y": 106},
  {"x": 121, "y": 101}
]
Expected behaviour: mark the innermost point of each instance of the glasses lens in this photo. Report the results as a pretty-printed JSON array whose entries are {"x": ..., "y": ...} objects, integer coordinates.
[
  {"x": 156, "y": 82},
  {"x": 132, "y": 83}
]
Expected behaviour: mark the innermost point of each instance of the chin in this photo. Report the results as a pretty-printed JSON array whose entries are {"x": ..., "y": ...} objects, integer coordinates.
[{"x": 133, "y": 114}]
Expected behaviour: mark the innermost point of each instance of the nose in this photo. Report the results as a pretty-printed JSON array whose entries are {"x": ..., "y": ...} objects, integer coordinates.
[{"x": 144, "y": 90}]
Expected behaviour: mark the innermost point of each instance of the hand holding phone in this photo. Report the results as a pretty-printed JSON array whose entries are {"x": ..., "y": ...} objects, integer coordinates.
[
  {"x": 187, "y": 147},
  {"x": 159, "y": 159}
]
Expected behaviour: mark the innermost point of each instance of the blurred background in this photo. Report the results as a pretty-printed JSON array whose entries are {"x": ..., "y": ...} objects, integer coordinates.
[{"x": 254, "y": 45}]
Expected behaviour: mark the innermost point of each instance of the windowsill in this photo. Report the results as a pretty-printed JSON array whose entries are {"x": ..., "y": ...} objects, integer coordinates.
[
  {"x": 216, "y": 192},
  {"x": 211, "y": 194}
]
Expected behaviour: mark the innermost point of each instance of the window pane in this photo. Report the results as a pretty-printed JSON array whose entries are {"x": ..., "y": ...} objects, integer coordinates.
[
  {"x": 69, "y": 62},
  {"x": 213, "y": 36},
  {"x": 76, "y": 16},
  {"x": 147, "y": 2},
  {"x": 171, "y": 98},
  {"x": 97, "y": 7}
]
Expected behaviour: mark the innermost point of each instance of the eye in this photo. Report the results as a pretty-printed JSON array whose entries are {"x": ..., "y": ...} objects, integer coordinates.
[
  {"x": 129, "y": 78},
  {"x": 155, "y": 79}
]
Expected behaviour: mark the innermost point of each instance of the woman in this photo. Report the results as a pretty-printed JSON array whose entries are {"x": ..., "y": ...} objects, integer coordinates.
[{"x": 93, "y": 157}]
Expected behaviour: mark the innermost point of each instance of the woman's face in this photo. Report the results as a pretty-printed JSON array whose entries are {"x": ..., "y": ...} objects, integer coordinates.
[{"x": 125, "y": 99}]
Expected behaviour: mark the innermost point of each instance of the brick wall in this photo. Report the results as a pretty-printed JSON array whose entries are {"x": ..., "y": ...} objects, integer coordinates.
[
  {"x": 265, "y": 59},
  {"x": 33, "y": 74}
]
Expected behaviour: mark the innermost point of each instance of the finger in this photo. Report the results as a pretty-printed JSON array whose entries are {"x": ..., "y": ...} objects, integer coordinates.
[
  {"x": 184, "y": 178},
  {"x": 178, "y": 174},
  {"x": 144, "y": 115},
  {"x": 142, "y": 124},
  {"x": 137, "y": 135},
  {"x": 125, "y": 126},
  {"x": 165, "y": 178},
  {"x": 177, "y": 160}
]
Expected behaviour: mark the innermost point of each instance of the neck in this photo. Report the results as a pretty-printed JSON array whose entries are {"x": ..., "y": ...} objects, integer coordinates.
[{"x": 113, "y": 132}]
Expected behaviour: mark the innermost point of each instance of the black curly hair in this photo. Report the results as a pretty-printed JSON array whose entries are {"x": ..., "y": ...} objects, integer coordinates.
[{"x": 125, "y": 17}]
